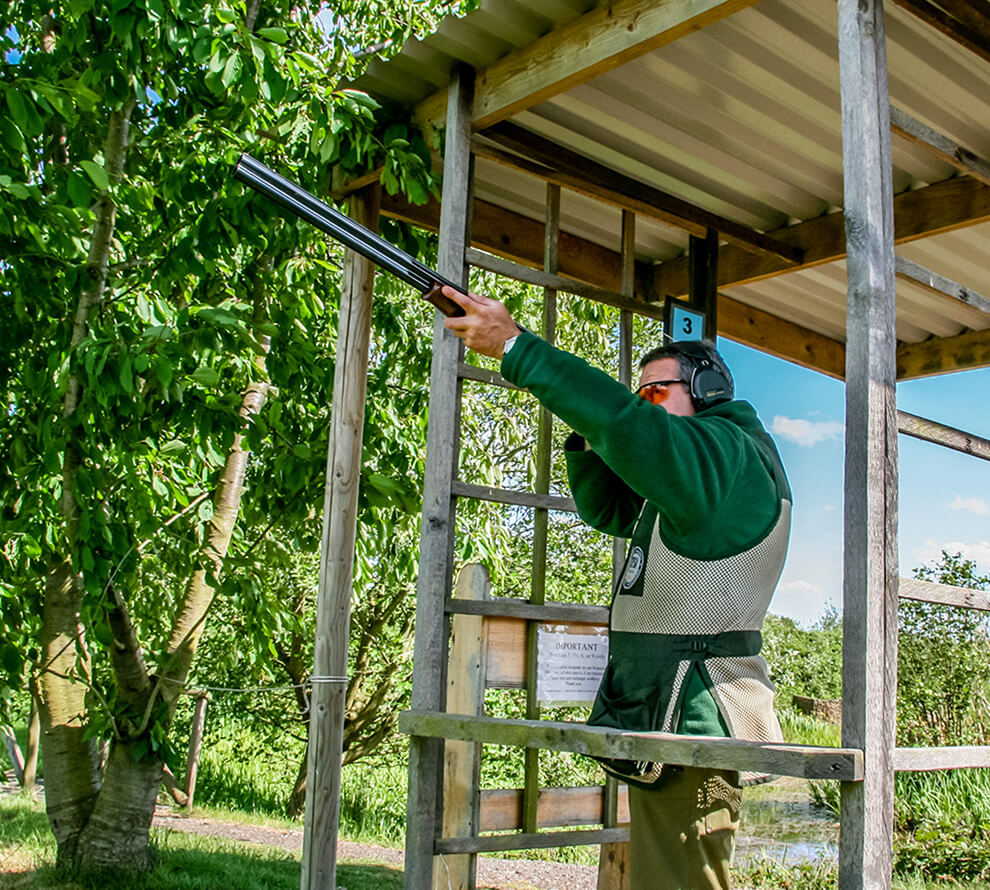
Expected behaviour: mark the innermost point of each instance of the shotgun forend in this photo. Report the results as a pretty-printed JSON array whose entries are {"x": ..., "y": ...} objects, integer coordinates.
[{"x": 351, "y": 234}]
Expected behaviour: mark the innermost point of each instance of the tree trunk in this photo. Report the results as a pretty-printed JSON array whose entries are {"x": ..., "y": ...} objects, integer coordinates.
[{"x": 297, "y": 800}]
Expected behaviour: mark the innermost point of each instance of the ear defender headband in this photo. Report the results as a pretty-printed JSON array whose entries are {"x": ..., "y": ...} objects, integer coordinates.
[{"x": 710, "y": 381}]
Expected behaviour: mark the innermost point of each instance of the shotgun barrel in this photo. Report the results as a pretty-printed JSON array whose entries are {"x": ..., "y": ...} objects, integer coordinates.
[{"x": 351, "y": 234}]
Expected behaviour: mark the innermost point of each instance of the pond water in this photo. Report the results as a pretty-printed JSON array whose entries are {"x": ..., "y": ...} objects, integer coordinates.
[{"x": 779, "y": 822}]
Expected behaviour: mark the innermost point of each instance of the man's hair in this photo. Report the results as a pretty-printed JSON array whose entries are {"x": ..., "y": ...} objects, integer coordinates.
[{"x": 694, "y": 356}]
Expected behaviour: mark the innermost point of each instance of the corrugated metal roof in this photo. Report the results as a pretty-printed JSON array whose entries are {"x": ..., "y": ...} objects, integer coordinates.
[{"x": 743, "y": 119}]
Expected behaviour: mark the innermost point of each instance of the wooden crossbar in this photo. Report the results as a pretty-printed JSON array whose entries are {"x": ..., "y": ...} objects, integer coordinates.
[
  {"x": 531, "y": 841},
  {"x": 510, "y": 607},
  {"x": 940, "y": 434},
  {"x": 949, "y": 757},
  {"x": 518, "y": 498},
  {"x": 804, "y": 761},
  {"x": 943, "y": 594},
  {"x": 502, "y": 808}
]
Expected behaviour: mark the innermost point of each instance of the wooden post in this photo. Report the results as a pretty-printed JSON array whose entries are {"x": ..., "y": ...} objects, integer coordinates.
[
  {"x": 14, "y": 753},
  {"x": 462, "y": 760},
  {"x": 869, "y": 663},
  {"x": 437, "y": 531},
  {"x": 33, "y": 742},
  {"x": 333, "y": 609},
  {"x": 703, "y": 279},
  {"x": 613, "y": 858},
  {"x": 195, "y": 745}
]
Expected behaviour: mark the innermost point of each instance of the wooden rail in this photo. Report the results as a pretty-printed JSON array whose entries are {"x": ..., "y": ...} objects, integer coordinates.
[
  {"x": 940, "y": 434},
  {"x": 804, "y": 761},
  {"x": 944, "y": 594},
  {"x": 509, "y": 607},
  {"x": 950, "y": 757},
  {"x": 531, "y": 841},
  {"x": 518, "y": 498}
]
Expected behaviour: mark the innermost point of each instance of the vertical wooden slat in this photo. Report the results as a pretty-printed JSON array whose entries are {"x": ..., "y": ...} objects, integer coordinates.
[
  {"x": 613, "y": 859},
  {"x": 541, "y": 518},
  {"x": 437, "y": 532},
  {"x": 333, "y": 610},
  {"x": 869, "y": 669},
  {"x": 462, "y": 760}
]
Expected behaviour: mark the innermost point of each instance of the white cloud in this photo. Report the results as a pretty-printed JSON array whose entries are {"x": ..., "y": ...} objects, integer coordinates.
[
  {"x": 974, "y": 504},
  {"x": 830, "y": 508},
  {"x": 805, "y": 432},
  {"x": 932, "y": 551},
  {"x": 800, "y": 586}
]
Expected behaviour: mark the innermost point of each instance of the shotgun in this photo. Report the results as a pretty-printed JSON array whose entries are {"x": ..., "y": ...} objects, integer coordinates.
[{"x": 349, "y": 233}]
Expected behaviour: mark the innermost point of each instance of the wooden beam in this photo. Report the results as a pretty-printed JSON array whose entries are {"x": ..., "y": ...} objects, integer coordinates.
[
  {"x": 942, "y": 207},
  {"x": 976, "y": 41},
  {"x": 942, "y": 147},
  {"x": 944, "y": 594},
  {"x": 949, "y": 757},
  {"x": 805, "y": 761},
  {"x": 554, "y": 163},
  {"x": 599, "y": 41},
  {"x": 510, "y": 607},
  {"x": 940, "y": 434},
  {"x": 940, "y": 355},
  {"x": 520, "y": 238},
  {"x": 510, "y": 496},
  {"x": 939, "y": 284}
]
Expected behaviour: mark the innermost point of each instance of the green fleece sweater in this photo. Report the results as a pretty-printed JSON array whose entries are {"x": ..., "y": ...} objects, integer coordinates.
[{"x": 714, "y": 478}]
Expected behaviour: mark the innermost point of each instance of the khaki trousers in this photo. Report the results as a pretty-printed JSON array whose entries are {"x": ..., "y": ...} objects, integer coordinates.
[{"x": 682, "y": 835}]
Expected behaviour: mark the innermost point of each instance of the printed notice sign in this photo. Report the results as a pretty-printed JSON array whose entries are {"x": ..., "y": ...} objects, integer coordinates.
[{"x": 569, "y": 665}]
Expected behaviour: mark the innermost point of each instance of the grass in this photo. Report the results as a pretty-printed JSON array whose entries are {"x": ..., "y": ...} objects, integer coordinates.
[{"x": 185, "y": 861}]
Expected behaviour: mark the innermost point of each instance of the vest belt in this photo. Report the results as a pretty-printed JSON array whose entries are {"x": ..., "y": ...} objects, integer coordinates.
[{"x": 689, "y": 647}]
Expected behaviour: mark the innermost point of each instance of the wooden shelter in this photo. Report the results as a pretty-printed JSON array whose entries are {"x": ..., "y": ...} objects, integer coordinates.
[{"x": 813, "y": 177}]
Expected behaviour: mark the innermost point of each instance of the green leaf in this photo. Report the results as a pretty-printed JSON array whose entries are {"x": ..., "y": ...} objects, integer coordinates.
[
  {"x": 79, "y": 188},
  {"x": 172, "y": 446},
  {"x": 18, "y": 110},
  {"x": 164, "y": 372},
  {"x": 205, "y": 510},
  {"x": 302, "y": 451},
  {"x": 276, "y": 35},
  {"x": 97, "y": 174},
  {"x": 127, "y": 375},
  {"x": 231, "y": 71},
  {"x": 103, "y": 634},
  {"x": 226, "y": 16},
  {"x": 206, "y": 377}
]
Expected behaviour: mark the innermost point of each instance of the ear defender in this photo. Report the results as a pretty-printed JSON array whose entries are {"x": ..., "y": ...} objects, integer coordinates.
[{"x": 710, "y": 381}]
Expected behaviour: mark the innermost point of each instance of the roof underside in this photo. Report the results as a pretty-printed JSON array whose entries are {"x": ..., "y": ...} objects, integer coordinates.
[{"x": 742, "y": 119}]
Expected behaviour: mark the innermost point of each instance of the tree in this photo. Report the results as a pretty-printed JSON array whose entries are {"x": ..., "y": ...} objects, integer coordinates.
[{"x": 148, "y": 308}]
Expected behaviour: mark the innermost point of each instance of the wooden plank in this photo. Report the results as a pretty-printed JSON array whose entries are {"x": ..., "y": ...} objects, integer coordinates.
[
  {"x": 541, "y": 841},
  {"x": 519, "y": 498},
  {"x": 507, "y": 657},
  {"x": 540, "y": 278},
  {"x": 804, "y": 761},
  {"x": 599, "y": 41},
  {"x": 977, "y": 42},
  {"x": 509, "y": 607},
  {"x": 939, "y": 284},
  {"x": 501, "y": 809},
  {"x": 483, "y": 375},
  {"x": 437, "y": 530},
  {"x": 940, "y": 355},
  {"x": 942, "y": 207},
  {"x": 940, "y": 434},
  {"x": 340, "y": 501},
  {"x": 944, "y": 594},
  {"x": 941, "y": 146},
  {"x": 462, "y": 760},
  {"x": 951, "y": 757},
  {"x": 565, "y": 167},
  {"x": 869, "y": 650}
]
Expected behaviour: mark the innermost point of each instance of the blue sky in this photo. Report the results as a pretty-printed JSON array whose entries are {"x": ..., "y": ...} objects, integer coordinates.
[{"x": 944, "y": 498}]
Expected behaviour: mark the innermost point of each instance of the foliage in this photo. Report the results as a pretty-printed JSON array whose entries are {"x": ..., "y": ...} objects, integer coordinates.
[
  {"x": 943, "y": 664},
  {"x": 804, "y": 661}
]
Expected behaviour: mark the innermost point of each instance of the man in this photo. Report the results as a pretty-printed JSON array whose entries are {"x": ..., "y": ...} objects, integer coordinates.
[{"x": 692, "y": 477}]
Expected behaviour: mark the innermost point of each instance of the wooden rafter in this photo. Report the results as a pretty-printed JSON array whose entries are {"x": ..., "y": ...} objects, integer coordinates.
[
  {"x": 599, "y": 41},
  {"x": 519, "y": 238},
  {"x": 940, "y": 355},
  {"x": 942, "y": 207},
  {"x": 956, "y": 19},
  {"x": 939, "y": 284},
  {"x": 555, "y": 163},
  {"x": 942, "y": 147}
]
